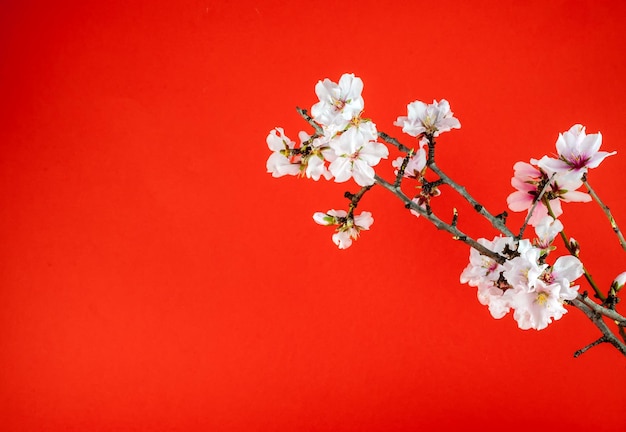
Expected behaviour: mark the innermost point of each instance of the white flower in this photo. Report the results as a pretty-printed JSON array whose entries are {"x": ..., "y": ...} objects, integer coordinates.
[
  {"x": 486, "y": 274},
  {"x": 355, "y": 157},
  {"x": 339, "y": 103},
  {"x": 281, "y": 162},
  {"x": 538, "y": 307},
  {"x": 414, "y": 167},
  {"x": 348, "y": 228},
  {"x": 482, "y": 268},
  {"x": 577, "y": 152},
  {"x": 547, "y": 228},
  {"x": 314, "y": 163},
  {"x": 523, "y": 271},
  {"x": 431, "y": 119}
]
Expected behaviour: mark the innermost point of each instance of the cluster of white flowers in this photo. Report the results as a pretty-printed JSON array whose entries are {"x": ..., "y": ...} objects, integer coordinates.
[
  {"x": 345, "y": 146},
  {"x": 525, "y": 283},
  {"x": 348, "y": 146}
]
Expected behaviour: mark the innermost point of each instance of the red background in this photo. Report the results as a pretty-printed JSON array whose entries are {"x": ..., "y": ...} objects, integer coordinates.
[{"x": 154, "y": 277}]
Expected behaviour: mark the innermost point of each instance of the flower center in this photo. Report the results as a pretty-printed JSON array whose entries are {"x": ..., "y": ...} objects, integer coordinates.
[
  {"x": 339, "y": 104},
  {"x": 542, "y": 298},
  {"x": 579, "y": 161}
]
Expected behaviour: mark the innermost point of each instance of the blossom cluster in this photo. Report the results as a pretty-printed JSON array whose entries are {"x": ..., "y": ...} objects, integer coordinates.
[
  {"x": 510, "y": 273},
  {"x": 347, "y": 146},
  {"x": 525, "y": 283},
  {"x": 577, "y": 152}
]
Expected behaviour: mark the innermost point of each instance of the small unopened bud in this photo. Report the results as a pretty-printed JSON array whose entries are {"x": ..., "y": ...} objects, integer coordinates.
[
  {"x": 574, "y": 247},
  {"x": 619, "y": 282}
]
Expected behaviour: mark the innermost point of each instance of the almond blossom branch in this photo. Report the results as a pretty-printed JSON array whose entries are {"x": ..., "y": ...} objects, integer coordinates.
[
  {"x": 511, "y": 273},
  {"x": 438, "y": 223},
  {"x": 496, "y": 221},
  {"x": 607, "y": 212}
]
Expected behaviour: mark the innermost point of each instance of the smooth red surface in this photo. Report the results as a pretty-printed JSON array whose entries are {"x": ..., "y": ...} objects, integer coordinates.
[{"x": 153, "y": 277}]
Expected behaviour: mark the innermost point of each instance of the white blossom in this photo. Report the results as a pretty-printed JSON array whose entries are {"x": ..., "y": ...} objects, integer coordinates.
[
  {"x": 280, "y": 162},
  {"x": 415, "y": 165},
  {"x": 338, "y": 102},
  {"x": 355, "y": 157},
  {"x": 538, "y": 307},
  {"x": 348, "y": 227},
  {"x": 577, "y": 152},
  {"x": 546, "y": 229},
  {"x": 429, "y": 119}
]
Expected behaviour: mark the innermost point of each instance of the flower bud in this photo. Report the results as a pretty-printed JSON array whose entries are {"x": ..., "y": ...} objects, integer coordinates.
[
  {"x": 619, "y": 282},
  {"x": 574, "y": 247}
]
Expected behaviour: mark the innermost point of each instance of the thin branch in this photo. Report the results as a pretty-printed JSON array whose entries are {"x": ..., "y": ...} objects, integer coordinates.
[
  {"x": 439, "y": 224},
  {"x": 596, "y": 318},
  {"x": 495, "y": 221},
  {"x": 568, "y": 246},
  {"x": 394, "y": 142},
  {"x": 355, "y": 198},
  {"x": 400, "y": 173},
  {"x": 305, "y": 115},
  {"x": 532, "y": 209},
  {"x": 607, "y": 212},
  {"x": 599, "y": 309},
  {"x": 591, "y": 345}
]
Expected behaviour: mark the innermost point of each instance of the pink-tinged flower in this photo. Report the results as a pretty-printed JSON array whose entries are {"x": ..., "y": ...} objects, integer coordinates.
[
  {"x": 564, "y": 272},
  {"x": 486, "y": 274},
  {"x": 339, "y": 103},
  {"x": 546, "y": 230},
  {"x": 355, "y": 157},
  {"x": 348, "y": 228},
  {"x": 538, "y": 307},
  {"x": 281, "y": 162},
  {"x": 577, "y": 152},
  {"x": 529, "y": 182},
  {"x": 431, "y": 119},
  {"x": 482, "y": 268},
  {"x": 414, "y": 167}
]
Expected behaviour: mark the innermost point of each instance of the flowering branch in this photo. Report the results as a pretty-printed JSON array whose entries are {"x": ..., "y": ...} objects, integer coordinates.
[
  {"x": 438, "y": 223},
  {"x": 496, "y": 221},
  {"x": 511, "y": 273}
]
